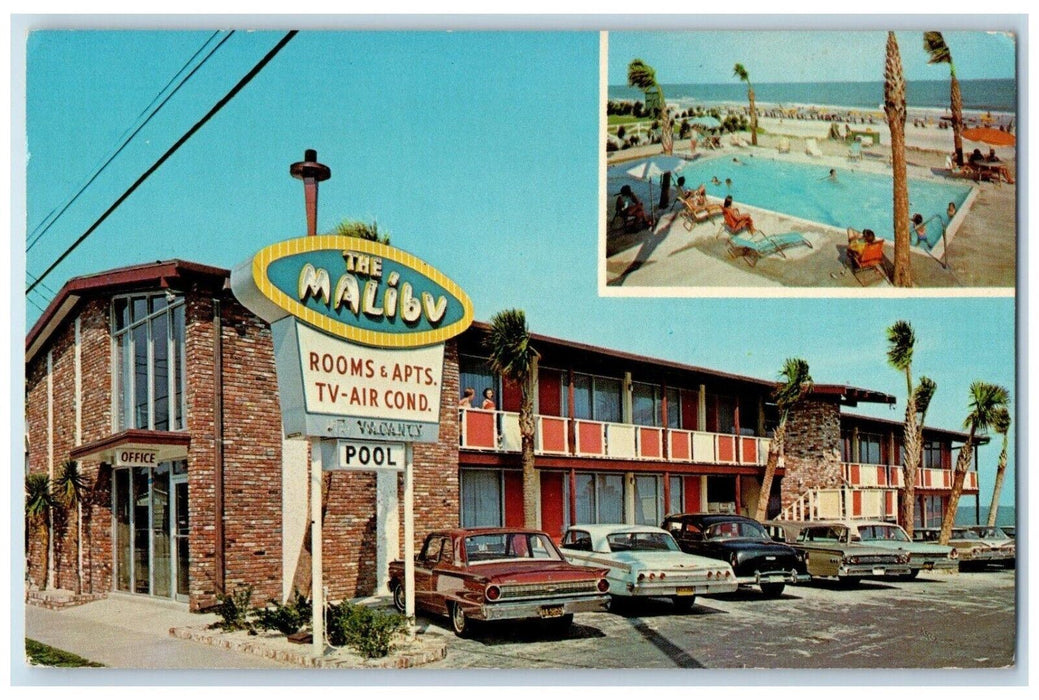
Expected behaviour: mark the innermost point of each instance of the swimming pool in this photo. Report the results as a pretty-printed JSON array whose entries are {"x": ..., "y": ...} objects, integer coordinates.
[{"x": 858, "y": 199}]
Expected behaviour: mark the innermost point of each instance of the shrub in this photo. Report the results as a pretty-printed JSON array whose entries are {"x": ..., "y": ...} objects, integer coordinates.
[
  {"x": 234, "y": 610},
  {"x": 287, "y": 619},
  {"x": 368, "y": 631}
]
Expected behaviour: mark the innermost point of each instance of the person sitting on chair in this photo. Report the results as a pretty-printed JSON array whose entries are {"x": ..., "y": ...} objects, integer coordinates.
[
  {"x": 857, "y": 241},
  {"x": 630, "y": 207},
  {"x": 734, "y": 219}
]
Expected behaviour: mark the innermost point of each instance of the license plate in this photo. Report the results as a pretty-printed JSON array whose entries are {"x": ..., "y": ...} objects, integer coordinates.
[
  {"x": 685, "y": 590},
  {"x": 878, "y": 571},
  {"x": 929, "y": 565},
  {"x": 552, "y": 611},
  {"x": 775, "y": 579}
]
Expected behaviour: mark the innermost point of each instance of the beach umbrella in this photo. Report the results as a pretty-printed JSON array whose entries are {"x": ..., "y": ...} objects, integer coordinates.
[
  {"x": 654, "y": 167},
  {"x": 706, "y": 122},
  {"x": 993, "y": 137}
]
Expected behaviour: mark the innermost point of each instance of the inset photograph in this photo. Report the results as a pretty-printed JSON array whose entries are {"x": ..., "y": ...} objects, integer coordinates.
[{"x": 810, "y": 159}]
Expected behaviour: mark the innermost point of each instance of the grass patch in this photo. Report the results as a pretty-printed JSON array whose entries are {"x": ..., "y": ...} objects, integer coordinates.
[{"x": 43, "y": 655}]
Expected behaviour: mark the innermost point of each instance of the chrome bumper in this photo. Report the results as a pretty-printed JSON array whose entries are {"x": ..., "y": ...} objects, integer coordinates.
[
  {"x": 523, "y": 609},
  {"x": 874, "y": 570},
  {"x": 927, "y": 564},
  {"x": 773, "y": 577},
  {"x": 699, "y": 587}
]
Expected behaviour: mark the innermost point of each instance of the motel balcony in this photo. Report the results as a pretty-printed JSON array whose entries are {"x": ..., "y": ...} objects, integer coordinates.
[
  {"x": 498, "y": 431},
  {"x": 882, "y": 476}
]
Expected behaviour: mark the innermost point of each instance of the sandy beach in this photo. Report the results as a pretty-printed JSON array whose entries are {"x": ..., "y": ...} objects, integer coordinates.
[{"x": 676, "y": 256}]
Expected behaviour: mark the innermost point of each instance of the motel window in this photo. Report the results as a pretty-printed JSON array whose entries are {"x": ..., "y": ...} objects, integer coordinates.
[
  {"x": 726, "y": 414},
  {"x": 600, "y": 498},
  {"x": 596, "y": 398},
  {"x": 932, "y": 455},
  {"x": 647, "y": 405},
  {"x": 677, "y": 495},
  {"x": 869, "y": 448},
  {"x": 846, "y": 446},
  {"x": 482, "y": 504},
  {"x": 149, "y": 382},
  {"x": 473, "y": 372}
]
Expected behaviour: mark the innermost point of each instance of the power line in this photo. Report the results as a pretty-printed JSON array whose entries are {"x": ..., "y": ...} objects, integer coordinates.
[
  {"x": 129, "y": 138},
  {"x": 165, "y": 156}
]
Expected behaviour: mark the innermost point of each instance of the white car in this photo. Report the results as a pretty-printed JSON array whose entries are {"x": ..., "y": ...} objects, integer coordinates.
[{"x": 643, "y": 560}]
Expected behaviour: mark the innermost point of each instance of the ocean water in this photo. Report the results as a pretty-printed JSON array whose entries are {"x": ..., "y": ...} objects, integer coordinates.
[{"x": 978, "y": 95}]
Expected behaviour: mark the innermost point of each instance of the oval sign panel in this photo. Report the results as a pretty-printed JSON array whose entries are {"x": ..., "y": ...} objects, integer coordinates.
[{"x": 360, "y": 290}]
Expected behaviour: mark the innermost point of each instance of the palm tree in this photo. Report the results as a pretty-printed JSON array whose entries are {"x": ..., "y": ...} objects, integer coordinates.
[
  {"x": 513, "y": 358},
  {"x": 361, "y": 229},
  {"x": 895, "y": 109},
  {"x": 986, "y": 402},
  {"x": 935, "y": 45},
  {"x": 38, "y": 504},
  {"x": 1001, "y": 424},
  {"x": 795, "y": 382},
  {"x": 901, "y": 341},
  {"x": 740, "y": 72},
  {"x": 642, "y": 76},
  {"x": 70, "y": 490}
]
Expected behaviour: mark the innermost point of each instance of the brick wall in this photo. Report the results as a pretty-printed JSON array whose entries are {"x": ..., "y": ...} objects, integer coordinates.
[{"x": 813, "y": 449}]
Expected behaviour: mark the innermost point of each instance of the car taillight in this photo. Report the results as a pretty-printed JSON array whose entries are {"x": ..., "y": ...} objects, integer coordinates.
[
  {"x": 728, "y": 574},
  {"x": 954, "y": 554},
  {"x": 603, "y": 585},
  {"x": 492, "y": 593},
  {"x": 710, "y": 574},
  {"x": 642, "y": 576}
]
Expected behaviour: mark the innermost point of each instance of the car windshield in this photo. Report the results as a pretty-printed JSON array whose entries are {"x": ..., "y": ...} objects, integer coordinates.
[
  {"x": 964, "y": 535},
  {"x": 500, "y": 546},
  {"x": 641, "y": 542},
  {"x": 736, "y": 529},
  {"x": 882, "y": 533},
  {"x": 992, "y": 533}
]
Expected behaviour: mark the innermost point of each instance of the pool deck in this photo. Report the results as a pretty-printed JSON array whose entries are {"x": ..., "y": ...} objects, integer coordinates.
[{"x": 672, "y": 257}]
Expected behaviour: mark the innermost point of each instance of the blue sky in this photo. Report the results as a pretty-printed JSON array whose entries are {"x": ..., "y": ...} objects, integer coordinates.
[
  {"x": 805, "y": 56},
  {"x": 477, "y": 152}
]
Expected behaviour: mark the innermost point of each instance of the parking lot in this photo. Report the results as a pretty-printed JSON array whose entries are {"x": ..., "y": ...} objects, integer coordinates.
[{"x": 963, "y": 620}]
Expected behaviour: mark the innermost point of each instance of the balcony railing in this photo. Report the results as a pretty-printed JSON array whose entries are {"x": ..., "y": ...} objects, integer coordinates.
[
  {"x": 887, "y": 476},
  {"x": 823, "y": 504},
  {"x": 498, "y": 431}
]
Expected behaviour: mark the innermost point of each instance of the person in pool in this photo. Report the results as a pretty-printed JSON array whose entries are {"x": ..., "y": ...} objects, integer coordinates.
[
  {"x": 715, "y": 180},
  {"x": 919, "y": 228},
  {"x": 951, "y": 210}
]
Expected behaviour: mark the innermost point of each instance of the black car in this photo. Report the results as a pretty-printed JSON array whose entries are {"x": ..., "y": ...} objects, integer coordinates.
[{"x": 755, "y": 557}]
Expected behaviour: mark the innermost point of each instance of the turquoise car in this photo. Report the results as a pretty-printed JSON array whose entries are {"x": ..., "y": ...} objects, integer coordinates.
[{"x": 923, "y": 556}]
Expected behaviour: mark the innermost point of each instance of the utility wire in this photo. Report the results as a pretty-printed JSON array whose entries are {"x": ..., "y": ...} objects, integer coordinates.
[
  {"x": 165, "y": 156},
  {"x": 129, "y": 138}
]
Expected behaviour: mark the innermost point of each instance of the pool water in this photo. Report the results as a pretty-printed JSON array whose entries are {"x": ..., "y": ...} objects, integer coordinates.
[{"x": 857, "y": 199}]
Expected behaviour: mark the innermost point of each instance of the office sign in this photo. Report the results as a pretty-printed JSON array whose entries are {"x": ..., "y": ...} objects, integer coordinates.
[
  {"x": 358, "y": 290},
  {"x": 136, "y": 457}
]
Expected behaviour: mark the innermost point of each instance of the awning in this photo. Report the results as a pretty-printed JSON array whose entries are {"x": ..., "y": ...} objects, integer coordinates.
[{"x": 136, "y": 448}]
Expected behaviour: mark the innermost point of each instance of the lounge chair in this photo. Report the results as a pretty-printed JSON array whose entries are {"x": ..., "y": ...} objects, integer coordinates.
[
  {"x": 855, "y": 151},
  {"x": 753, "y": 250},
  {"x": 693, "y": 211},
  {"x": 784, "y": 145},
  {"x": 735, "y": 140},
  {"x": 870, "y": 258},
  {"x": 812, "y": 148},
  {"x": 968, "y": 170}
]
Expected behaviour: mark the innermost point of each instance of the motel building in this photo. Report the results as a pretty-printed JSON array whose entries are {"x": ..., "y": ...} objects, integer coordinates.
[{"x": 162, "y": 387}]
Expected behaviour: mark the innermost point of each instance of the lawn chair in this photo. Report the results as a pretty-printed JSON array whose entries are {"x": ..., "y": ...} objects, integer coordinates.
[
  {"x": 752, "y": 250},
  {"x": 629, "y": 222},
  {"x": 784, "y": 145},
  {"x": 812, "y": 148},
  {"x": 734, "y": 222},
  {"x": 694, "y": 211},
  {"x": 735, "y": 140},
  {"x": 855, "y": 151},
  {"x": 870, "y": 258}
]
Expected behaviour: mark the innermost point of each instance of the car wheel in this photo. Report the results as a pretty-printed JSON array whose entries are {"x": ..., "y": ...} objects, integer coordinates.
[
  {"x": 849, "y": 581},
  {"x": 683, "y": 603},
  {"x": 461, "y": 625},
  {"x": 910, "y": 576},
  {"x": 399, "y": 599},
  {"x": 772, "y": 590}
]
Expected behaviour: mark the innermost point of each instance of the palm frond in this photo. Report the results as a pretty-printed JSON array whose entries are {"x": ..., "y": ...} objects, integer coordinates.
[
  {"x": 740, "y": 72},
  {"x": 641, "y": 75},
  {"x": 1001, "y": 421},
  {"x": 934, "y": 44},
  {"x": 38, "y": 498},
  {"x": 795, "y": 382},
  {"x": 923, "y": 394},
  {"x": 985, "y": 401},
  {"x": 508, "y": 345},
  {"x": 901, "y": 340},
  {"x": 69, "y": 487},
  {"x": 361, "y": 229}
]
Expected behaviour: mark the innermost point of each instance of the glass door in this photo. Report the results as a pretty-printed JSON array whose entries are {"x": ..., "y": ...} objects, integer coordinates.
[{"x": 180, "y": 538}]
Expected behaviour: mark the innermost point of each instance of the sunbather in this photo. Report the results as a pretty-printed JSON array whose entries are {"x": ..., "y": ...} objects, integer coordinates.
[
  {"x": 734, "y": 219},
  {"x": 630, "y": 207},
  {"x": 858, "y": 240}
]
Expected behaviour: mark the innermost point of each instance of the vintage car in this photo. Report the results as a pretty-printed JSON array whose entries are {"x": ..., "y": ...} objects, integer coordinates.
[
  {"x": 924, "y": 556},
  {"x": 643, "y": 561},
  {"x": 829, "y": 551},
  {"x": 998, "y": 538},
  {"x": 755, "y": 557},
  {"x": 1010, "y": 530},
  {"x": 974, "y": 552},
  {"x": 499, "y": 574}
]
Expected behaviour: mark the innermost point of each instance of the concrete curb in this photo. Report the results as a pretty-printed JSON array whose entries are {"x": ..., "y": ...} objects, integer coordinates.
[{"x": 420, "y": 649}]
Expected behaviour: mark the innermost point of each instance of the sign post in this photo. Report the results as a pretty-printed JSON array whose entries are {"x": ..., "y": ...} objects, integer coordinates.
[{"x": 359, "y": 331}]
